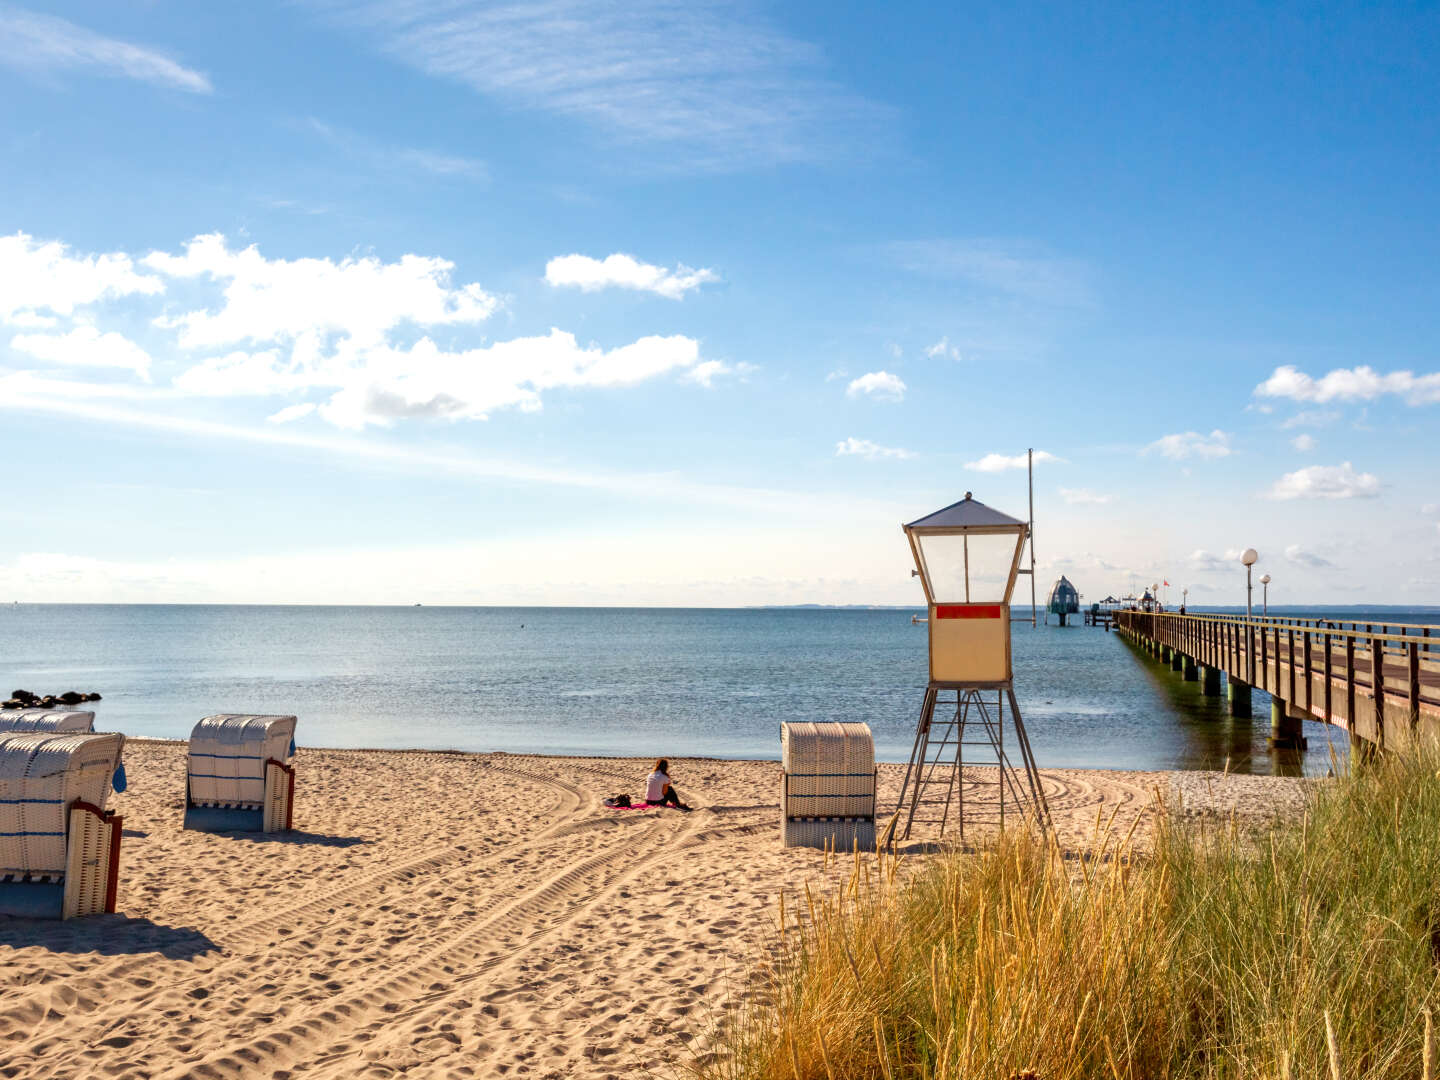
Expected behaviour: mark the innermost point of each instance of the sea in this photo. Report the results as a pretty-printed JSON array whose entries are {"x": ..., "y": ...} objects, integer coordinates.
[{"x": 672, "y": 682}]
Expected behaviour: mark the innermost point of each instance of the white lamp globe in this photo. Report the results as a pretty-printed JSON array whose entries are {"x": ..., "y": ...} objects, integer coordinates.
[
  {"x": 1265, "y": 580},
  {"x": 1250, "y": 557}
]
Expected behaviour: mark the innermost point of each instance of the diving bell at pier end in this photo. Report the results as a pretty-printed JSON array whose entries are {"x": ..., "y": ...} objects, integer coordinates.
[{"x": 967, "y": 556}]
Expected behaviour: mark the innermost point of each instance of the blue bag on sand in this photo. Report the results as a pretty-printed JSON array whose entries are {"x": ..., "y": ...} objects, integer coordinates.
[{"x": 118, "y": 780}]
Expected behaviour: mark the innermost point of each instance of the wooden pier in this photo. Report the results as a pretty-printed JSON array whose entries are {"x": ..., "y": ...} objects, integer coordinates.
[{"x": 1381, "y": 682}]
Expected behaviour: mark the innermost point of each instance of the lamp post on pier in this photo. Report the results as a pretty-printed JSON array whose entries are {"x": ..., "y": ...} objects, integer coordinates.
[
  {"x": 1265, "y": 594},
  {"x": 1249, "y": 558}
]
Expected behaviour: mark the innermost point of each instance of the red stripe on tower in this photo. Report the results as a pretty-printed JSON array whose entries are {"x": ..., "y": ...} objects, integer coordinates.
[{"x": 968, "y": 611}]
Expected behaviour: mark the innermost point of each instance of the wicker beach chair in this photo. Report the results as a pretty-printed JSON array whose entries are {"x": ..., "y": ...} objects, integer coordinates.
[
  {"x": 59, "y": 845},
  {"x": 241, "y": 775},
  {"x": 47, "y": 720},
  {"x": 827, "y": 791}
]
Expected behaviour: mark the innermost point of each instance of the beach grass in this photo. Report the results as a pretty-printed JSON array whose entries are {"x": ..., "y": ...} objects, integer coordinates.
[{"x": 1307, "y": 948}]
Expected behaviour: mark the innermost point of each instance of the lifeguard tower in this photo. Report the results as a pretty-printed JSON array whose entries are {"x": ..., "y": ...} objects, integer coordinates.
[{"x": 967, "y": 557}]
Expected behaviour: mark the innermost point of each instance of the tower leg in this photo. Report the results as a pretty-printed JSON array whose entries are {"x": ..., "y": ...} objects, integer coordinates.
[
  {"x": 1032, "y": 771},
  {"x": 911, "y": 784}
]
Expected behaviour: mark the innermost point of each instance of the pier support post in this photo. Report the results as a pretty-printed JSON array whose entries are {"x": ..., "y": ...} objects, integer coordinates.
[
  {"x": 1189, "y": 671},
  {"x": 1285, "y": 729},
  {"x": 1177, "y": 660},
  {"x": 1165, "y": 653},
  {"x": 1239, "y": 694},
  {"x": 1210, "y": 681}
]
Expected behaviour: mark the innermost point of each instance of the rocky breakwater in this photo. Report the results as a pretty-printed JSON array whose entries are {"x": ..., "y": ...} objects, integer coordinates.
[{"x": 24, "y": 699}]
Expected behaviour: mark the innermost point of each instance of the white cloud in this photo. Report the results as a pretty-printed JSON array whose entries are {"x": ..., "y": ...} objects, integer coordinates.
[
  {"x": 715, "y": 84},
  {"x": 1082, "y": 497},
  {"x": 877, "y": 384},
  {"x": 870, "y": 451},
  {"x": 38, "y": 276},
  {"x": 346, "y": 328},
  {"x": 1351, "y": 384},
  {"x": 1303, "y": 443},
  {"x": 1298, "y": 555},
  {"x": 85, "y": 346},
  {"x": 942, "y": 349},
  {"x": 292, "y": 412},
  {"x": 894, "y": 350},
  {"x": 277, "y": 300},
  {"x": 707, "y": 371},
  {"x": 32, "y": 42},
  {"x": 1189, "y": 444},
  {"x": 426, "y": 381},
  {"x": 1001, "y": 462},
  {"x": 1326, "y": 482},
  {"x": 1311, "y": 418},
  {"x": 622, "y": 271}
]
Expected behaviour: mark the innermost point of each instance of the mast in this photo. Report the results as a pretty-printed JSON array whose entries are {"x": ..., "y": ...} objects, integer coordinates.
[{"x": 1030, "y": 469}]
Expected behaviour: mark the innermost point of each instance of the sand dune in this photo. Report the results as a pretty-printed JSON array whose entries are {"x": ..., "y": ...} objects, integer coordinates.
[{"x": 445, "y": 915}]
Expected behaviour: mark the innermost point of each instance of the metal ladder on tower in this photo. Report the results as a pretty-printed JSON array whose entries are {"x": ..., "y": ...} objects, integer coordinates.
[{"x": 956, "y": 738}]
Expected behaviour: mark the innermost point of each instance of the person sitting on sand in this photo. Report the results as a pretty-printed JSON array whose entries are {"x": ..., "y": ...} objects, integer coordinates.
[{"x": 659, "y": 790}]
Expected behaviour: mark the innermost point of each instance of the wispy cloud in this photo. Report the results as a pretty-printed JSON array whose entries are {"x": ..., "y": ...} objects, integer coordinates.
[
  {"x": 707, "y": 77},
  {"x": 1001, "y": 462},
  {"x": 1326, "y": 482},
  {"x": 404, "y": 159},
  {"x": 666, "y": 486},
  {"x": 1083, "y": 497},
  {"x": 1188, "y": 444},
  {"x": 1303, "y": 443},
  {"x": 942, "y": 349},
  {"x": 1311, "y": 418},
  {"x": 34, "y": 42},
  {"x": 291, "y": 413},
  {"x": 877, "y": 384},
  {"x": 1016, "y": 269},
  {"x": 1301, "y": 557},
  {"x": 1351, "y": 384},
  {"x": 870, "y": 451},
  {"x": 621, "y": 271}
]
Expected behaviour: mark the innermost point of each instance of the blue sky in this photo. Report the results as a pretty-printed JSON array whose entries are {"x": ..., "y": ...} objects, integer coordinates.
[{"x": 693, "y": 303}]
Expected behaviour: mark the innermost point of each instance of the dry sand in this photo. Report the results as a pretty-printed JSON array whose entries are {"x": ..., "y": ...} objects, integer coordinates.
[{"x": 447, "y": 915}]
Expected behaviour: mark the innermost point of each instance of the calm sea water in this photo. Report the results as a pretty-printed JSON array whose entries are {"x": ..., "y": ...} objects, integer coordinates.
[{"x": 679, "y": 682}]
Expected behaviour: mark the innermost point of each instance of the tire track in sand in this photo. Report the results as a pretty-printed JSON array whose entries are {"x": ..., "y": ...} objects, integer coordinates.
[{"x": 326, "y": 1022}]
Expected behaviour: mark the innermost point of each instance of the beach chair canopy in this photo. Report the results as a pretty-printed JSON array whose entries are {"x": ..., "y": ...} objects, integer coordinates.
[
  {"x": 827, "y": 749},
  {"x": 47, "y": 720},
  {"x": 41, "y": 775},
  {"x": 829, "y": 769},
  {"x": 228, "y": 753}
]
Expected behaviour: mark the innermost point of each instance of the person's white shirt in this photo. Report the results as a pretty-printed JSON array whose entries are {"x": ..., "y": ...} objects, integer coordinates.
[{"x": 655, "y": 787}]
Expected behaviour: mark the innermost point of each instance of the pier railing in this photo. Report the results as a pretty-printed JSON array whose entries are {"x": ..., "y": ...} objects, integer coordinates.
[{"x": 1381, "y": 681}]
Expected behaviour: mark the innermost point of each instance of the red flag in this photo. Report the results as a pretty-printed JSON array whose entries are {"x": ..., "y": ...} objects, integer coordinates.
[{"x": 1167, "y": 583}]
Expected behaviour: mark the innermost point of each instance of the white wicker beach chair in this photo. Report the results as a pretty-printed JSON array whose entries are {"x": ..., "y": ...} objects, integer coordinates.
[
  {"x": 241, "y": 774},
  {"x": 47, "y": 720},
  {"x": 59, "y": 845},
  {"x": 828, "y": 785}
]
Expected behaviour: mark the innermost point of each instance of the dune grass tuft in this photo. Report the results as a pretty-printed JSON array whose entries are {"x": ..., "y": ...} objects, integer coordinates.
[{"x": 1308, "y": 949}]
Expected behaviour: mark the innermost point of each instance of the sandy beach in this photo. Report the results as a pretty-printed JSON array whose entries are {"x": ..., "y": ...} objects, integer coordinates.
[{"x": 450, "y": 915}]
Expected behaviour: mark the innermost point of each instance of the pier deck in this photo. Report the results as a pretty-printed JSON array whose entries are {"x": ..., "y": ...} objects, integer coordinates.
[{"x": 1381, "y": 682}]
